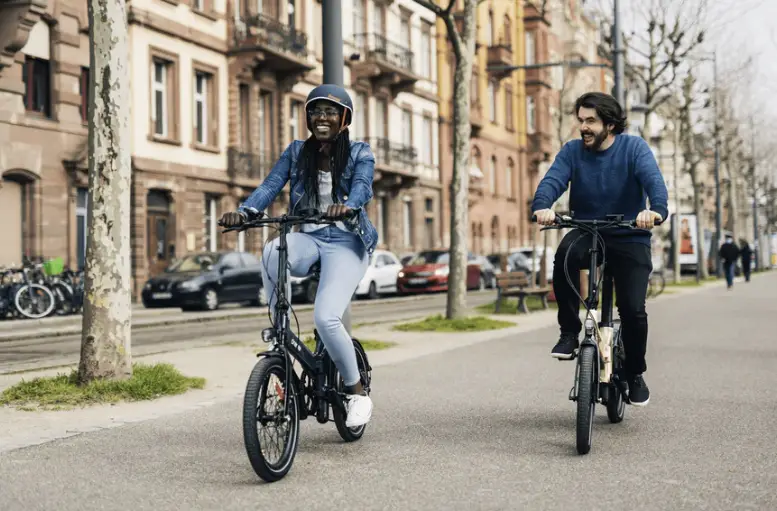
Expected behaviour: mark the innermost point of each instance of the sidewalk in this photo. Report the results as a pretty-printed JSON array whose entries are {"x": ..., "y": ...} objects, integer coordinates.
[{"x": 226, "y": 368}]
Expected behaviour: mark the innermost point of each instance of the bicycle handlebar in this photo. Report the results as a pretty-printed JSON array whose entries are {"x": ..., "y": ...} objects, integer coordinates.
[
  {"x": 306, "y": 216},
  {"x": 568, "y": 221}
]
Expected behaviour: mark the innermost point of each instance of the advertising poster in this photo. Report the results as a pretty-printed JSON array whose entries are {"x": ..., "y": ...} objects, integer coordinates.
[{"x": 688, "y": 244}]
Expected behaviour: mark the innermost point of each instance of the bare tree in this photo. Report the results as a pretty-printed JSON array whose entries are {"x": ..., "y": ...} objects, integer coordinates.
[
  {"x": 463, "y": 46},
  {"x": 672, "y": 34},
  {"x": 693, "y": 154},
  {"x": 105, "y": 343}
]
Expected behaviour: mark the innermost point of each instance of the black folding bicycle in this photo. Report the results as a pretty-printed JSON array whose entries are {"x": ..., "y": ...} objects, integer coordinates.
[
  {"x": 277, "y": 397},
  {"x": 600, "y": 358}
]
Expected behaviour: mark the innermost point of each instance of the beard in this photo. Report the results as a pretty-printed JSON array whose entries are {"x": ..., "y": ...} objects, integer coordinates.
[{"x": 598, "y": 139}]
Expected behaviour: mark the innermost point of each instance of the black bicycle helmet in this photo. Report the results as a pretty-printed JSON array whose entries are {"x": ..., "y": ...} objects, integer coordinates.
[{"x": 333, "y": 94}]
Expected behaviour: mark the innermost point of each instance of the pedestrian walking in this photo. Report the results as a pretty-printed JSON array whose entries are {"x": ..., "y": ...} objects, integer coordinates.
[
  {"x": 746, "y": 253},
  {"x": 729, "y": 253}
]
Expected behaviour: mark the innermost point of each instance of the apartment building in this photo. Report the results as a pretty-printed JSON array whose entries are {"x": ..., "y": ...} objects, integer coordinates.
[
  {"x": 499, "y": 187},
  {"x": 218, "y": 90},
  {"x": 390, "y": 48}
]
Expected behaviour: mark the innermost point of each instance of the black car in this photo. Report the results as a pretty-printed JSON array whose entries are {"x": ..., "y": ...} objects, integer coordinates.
[{"x": 206, "y": 279}]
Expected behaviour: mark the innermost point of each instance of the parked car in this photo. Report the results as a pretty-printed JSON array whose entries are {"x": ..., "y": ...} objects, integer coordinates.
[
  {"x": 205, "y": 280},
  {"x": 488, "y": 271},
  {"x": 428, "y": 272},
  {"x": 549, "y": 256},
  {"x": 381, "y": 275},
  {"x": 519, "y": 262},
  {"x": 406, "y": 258}
]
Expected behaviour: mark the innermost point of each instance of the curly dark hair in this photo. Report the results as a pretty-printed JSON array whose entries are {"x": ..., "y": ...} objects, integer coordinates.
[
  {"x": 607, "y": 108},
  {"x": 307, "y": 163}
]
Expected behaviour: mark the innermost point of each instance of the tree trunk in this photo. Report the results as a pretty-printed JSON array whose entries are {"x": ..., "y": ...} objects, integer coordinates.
[
  {"x": 105, "y": 344},
  {"x": 464, "y": 49},
  {"x": 701, "y": 271}
]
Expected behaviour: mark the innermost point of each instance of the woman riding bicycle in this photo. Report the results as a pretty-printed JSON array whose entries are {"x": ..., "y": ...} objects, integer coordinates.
[{"x": 326, "y": 172}]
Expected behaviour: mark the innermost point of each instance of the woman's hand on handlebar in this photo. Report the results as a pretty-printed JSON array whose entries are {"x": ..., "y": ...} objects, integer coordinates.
[
  {"x": 338, "y": 211},
  {"x": 233, "y": 219},
  {"x": 545, "y": 217},
  {"x": 648, "y": 219}
]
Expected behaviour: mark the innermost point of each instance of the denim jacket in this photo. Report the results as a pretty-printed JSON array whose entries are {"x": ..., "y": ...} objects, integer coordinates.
[{"x": 354, "y": 189}]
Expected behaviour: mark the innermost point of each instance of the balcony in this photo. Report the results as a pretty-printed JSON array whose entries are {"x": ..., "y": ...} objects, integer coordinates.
[
  {"x": 395, "y": 163},
  {"x": 249, "y": 167},
  {"x": 540, "y": 146},
  {"x": 384, "y": 63},
  {"x": 276, "y": 45},
  {"x": 500, "y": 55}
]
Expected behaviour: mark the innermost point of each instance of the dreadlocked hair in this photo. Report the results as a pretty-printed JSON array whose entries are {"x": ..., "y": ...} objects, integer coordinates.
[{"x": 307, "y": 163}]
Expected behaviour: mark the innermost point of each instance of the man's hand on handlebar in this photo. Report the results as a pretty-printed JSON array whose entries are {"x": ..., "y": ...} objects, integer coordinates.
[
  {"x": 648, "y": 219},
  {"x": 233, "y": 219},
  {"x": 545, "y": 216},
  {"x": 338, "y": 211}
]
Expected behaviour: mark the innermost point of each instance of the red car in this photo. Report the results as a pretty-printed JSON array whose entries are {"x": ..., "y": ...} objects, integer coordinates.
[{"x": 428, "y": 271}]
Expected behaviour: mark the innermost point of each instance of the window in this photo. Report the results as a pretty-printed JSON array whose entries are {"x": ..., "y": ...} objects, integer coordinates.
[
  {"x": 205, "y": 113},
  {"x": 509, "y": 178},
  {"x": 404, "y": 31},
  {"x": 377, "y": 20},
  {"x": 380, "y": 118},
  {"x": 358, "y": 19},
  {"x": 165, "y": 95},
  {"x": 383, "y": 212},
  {"x": 530, "y": 48},
  {"x": 37, "y": 85},
  {"x": 245, "y": 117},
  {"x": 427, "y": 144},
  {"x": 492, "y": 176},
  {"x": 84, "y": 91},
  {"x": 201, "y": 81},
  {"x": 198, "y": 5},
  {"x": 358, "y": 127},
  {"x": 297, "y": 120},
  {"x": 159, "y": 111},
  {"x": 509, "y": 109},
  {"x": 426, "y": 50},
  {"x": 266, "y": 125},
  {"x": 82, "y": 200},
  {"x": 407, "y": 128},
  {"x": 531, "y": 115},
  {"x": 490, "y": 28},
  {"x": 492, "y": 100},
  {"x": 408, "y": 223},
  {"x": 210, "y": 240}
]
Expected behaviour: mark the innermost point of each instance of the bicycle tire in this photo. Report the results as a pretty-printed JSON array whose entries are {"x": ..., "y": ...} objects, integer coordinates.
[
  {"x": 616, "y": 405},
  {"x": 46, "y": 291},
  {"x": 256, "y": 389},
  {"x": 586, "y": 405},
  {"x": 346, "y": 433}
]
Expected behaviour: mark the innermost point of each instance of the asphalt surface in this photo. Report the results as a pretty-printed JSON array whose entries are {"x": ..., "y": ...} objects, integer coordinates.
[
  {"x": 48, "y": 351},
  {"x": 480, "y": 428}
]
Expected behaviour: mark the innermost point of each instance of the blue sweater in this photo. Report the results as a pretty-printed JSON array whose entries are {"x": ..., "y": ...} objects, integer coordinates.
[{"x": 610, "y": 182}]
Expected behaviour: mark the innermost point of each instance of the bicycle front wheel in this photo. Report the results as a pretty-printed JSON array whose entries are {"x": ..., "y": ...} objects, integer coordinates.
[
  {"x": 586, "y": 395},
  {"x": 271, "y": 435},
  {"x": 34, "y": 301}
]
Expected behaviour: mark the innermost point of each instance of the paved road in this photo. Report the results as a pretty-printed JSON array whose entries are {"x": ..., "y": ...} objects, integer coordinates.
[
  {"x": 481, "y": 428},
  {"x": 49, "y": 351}
]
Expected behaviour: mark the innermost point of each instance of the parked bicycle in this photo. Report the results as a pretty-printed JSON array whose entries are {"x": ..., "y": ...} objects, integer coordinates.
[
  {"x": 315, "y": 391},
  {"x": 38, "y": 289},
  {"x": 599, "y": 371}
]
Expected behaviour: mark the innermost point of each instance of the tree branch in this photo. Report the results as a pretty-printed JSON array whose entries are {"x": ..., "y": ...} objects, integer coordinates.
[{"x": 434, "y": 7}]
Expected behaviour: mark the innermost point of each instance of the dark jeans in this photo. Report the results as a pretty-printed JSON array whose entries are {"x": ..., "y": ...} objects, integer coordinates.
[
  {"x": 746, "y": 269},
  {"x": 728, "y": 269},
  {"x": 630, "y": 265}
]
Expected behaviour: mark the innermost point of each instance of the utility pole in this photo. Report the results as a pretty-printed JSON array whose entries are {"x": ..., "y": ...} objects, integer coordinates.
[
  {"x": 332, "y": 35},
  {"x": 755, "y": 198},
  {"x": 718, "y": 221},
  {"x": 617, "y": 54},
  {"x": 676, "y": 177}
]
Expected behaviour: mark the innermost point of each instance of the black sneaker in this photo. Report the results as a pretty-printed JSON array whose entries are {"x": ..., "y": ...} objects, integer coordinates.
[
  {"x": 566, "y": 347},
  {"x": 639, "y": 394}
]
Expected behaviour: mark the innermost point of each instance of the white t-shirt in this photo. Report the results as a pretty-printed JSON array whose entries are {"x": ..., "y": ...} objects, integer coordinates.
[{"x": 324, "y": 199}]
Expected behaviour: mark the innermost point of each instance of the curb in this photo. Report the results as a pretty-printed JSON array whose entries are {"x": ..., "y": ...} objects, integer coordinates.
[{"x": 241, "y": 313}]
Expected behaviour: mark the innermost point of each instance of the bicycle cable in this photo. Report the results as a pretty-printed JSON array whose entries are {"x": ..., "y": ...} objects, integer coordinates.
[{"x": 276, "y": 290}]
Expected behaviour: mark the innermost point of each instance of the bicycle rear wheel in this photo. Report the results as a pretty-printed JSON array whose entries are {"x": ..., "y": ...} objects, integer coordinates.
[
  {"x": 616, "y": 405},
  {"x": 586, "y": 404},
  {"x": 272, "y": 452}
]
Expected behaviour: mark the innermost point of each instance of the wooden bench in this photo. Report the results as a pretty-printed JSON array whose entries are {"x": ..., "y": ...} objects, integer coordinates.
[{"x": 516, "y": 283}]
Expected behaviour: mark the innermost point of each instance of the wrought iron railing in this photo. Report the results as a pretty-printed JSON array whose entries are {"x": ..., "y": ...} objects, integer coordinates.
[
  {"x": 275, "y": 34},
  {"x": 393, "y": 154},
  {"x": 249, "y": 165},
  {"x": 379, "y": 47}
]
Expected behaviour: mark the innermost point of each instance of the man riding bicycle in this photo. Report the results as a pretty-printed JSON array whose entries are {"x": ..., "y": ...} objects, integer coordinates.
[
  {"x": 608, "y": 172},
  {"x": 327, "y": 172}
]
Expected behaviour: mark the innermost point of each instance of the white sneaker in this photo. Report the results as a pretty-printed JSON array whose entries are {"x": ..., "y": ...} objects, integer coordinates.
[{"x": 358, "y": 410}]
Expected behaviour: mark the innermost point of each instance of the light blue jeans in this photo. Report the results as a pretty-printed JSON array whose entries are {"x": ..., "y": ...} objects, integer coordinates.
[{"x": 343, "y": 264}]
